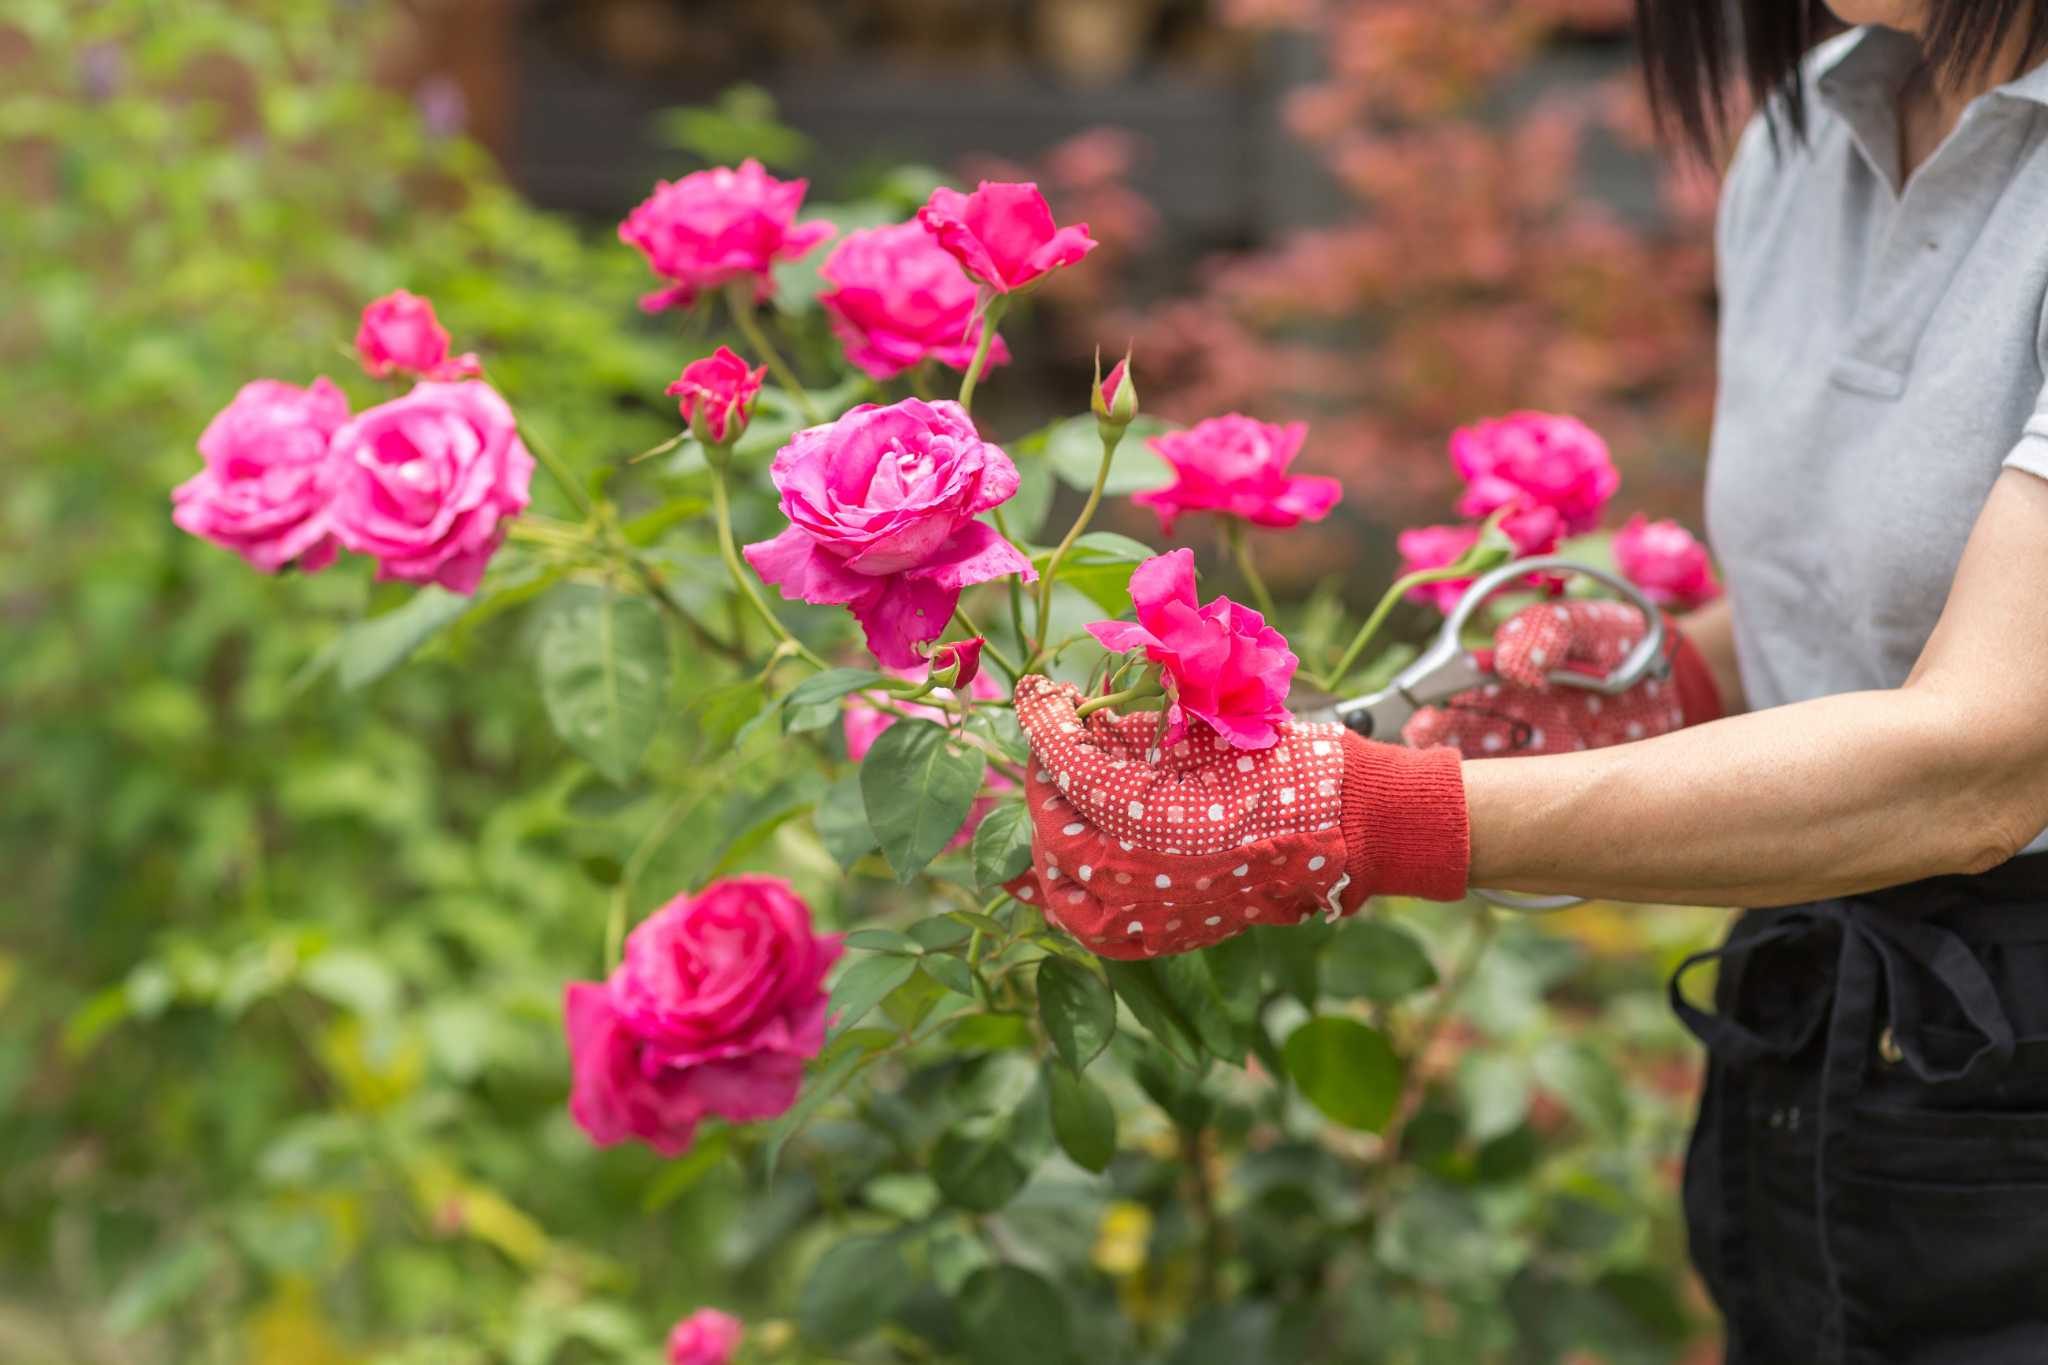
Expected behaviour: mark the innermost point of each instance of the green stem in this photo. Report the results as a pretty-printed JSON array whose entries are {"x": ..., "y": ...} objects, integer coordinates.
[
  {"x": 990, "y": 317},
  {"x": 559, "y": 472},
  {"x": 1015, "y": 584},
  {"x": 1335, "y": 677},
  {"x": 739, "y": 297},
  {"x": 1147, "y": 686},
  {"x": 1111, "y": 436},
  {"x": 1240, "y": 552},
  {"x": 721, "y": 507}
]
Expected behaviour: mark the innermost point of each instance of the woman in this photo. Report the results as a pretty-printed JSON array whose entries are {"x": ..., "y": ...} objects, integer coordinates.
[{"x": 1868, "y": 1180}]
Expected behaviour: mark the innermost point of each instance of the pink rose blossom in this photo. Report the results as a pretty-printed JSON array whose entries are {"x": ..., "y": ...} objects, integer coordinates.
[
  {"x": 401, "y": 335},
  {"x": 428, "y": 482},
  {"x": 268, "y": 476},
  {"x": 718, "y": 1003},
  {"x": 1539, "y": 458},
  {"x": 1224, "y": 665},
  {"x": 1663, "y": 559},
  {"x": 898, "y": 298},
  {"x": 882, "y": 506},
  {"x": 715, "y": 226},
  {"x": 1003, "y": 234},
  {"x": 1237, "y": 466},
  {"x": 864, "y": 725},
  {"x": 722, "y": 388},
  {"x": 706, "y": 1337}
]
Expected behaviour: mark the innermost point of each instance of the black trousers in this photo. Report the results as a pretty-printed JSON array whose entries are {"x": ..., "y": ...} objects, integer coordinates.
[{"x": 1868, "y": 1178}]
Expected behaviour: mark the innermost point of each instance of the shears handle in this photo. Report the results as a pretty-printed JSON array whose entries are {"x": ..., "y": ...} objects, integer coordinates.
[{"x": 1645, "y": 660}]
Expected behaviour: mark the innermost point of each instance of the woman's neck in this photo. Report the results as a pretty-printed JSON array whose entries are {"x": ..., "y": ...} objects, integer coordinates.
[{"x": 1930, "y": 106}]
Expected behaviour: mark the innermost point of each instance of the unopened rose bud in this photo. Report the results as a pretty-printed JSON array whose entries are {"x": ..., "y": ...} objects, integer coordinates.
[
  {"x": 1115, "y": 398},
  {"x": 955, "y": 663},
  {"x": 716, "y": 396}
]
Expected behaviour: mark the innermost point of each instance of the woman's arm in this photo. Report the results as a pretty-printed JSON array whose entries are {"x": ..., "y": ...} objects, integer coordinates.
[{"x": 1948, "y": 773}]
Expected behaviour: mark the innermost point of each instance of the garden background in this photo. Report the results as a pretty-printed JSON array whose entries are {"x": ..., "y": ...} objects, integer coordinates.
[{"x": 284, "y": 933}]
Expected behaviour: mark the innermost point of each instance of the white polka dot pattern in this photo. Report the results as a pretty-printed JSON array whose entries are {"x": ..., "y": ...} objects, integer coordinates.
[
  {"x": 1525, "y": 714},
  {"x": 1180, "y": 849}
]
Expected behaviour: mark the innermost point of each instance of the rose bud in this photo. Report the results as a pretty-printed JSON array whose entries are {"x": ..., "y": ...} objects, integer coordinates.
[
  {"x": 1115, "y": 398},
  {"x": 955, "y": 663},
  {"x": 716, "y": 396}
]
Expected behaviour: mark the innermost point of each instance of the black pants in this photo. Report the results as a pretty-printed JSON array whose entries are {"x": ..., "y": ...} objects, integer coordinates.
[{"x": 1868, "y": 1178}]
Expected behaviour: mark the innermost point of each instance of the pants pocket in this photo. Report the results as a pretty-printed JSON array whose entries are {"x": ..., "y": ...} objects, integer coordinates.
[{"x": 1940, "y": 1236}]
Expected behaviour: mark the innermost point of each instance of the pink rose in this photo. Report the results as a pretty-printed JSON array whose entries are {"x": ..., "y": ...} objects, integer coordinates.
[
  {"x": 1003, "y": 235},
  {"x": 1663, "y": 559},
  {"x": 706, "y": 1337},
  {"x": 1224, "y": 665},
  {"x": 1237, "y": 466},
  {"x": 1534, "y": 531},
  {"x": 722, "y": 388},
  {"x": 882, "y": 506},
  {"x": 428, "y": 482},
  {"x": 965, "y": 655},
  {"x": 400, "y": 334},
  {"x": 264, "y": 490},
  {"x": 719, "y": 225},
  {"x": 717, "y": 1004},
  {"x": 864, "y": 725},
  {"x": 898, "y": 299},
  {"x": 1535, "y": 457},
  {"x": 269, "y": 475}
]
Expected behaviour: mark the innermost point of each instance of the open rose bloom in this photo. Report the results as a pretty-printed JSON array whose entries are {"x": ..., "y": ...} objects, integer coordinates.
[
  {"x": 898, "y": 298},
  {"x": 706, "y": 1337},
  {"x": 1237, "y": 466},
  {"x": 400, "y": 335},
  {"x": 1536, "y": 459},
  {"x": 428, "y": 482},
  {"x": 713, "y": 227},
  {"x": 882, "y": 506},
  {"x": 1003, "y": 234},
  {"x": 269, "y": 475},
  {"x": 1224, "y": 665},
  {"x": 717, "y": 393},
  {"x": 717, "y": 1004},
  {"x": 1666, "y": 562}
]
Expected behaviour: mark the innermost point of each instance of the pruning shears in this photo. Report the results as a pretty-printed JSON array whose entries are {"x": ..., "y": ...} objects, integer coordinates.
[{"x": 1448, "y": 667}]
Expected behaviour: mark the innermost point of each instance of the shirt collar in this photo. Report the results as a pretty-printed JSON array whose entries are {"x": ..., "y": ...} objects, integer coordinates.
[{"x": 1870, "y": 64}]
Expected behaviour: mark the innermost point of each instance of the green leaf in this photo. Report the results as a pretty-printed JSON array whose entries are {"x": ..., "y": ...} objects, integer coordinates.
[
  {"x": 861, "y": 987},
  {"x": 950, "y": 972},
  {"x": 1077, "y": 1009},
  {"x": 367, "y": 650},
  {"x": 841, "y": 819},
  {"x": 358, "y": 981},
  {"x": 820, "y": 1088},
  {"x": 1495, "y": 1090},
  {"x": 1186, "y": 980},
  {"x": 1099, "y": 565},
  {"x": 680, "y": 1175},
  {"x": 852, "y": 1290},
  {"x": 1588, "y": 1083},
  {"x": 1082, "y": 1118},
  {"x": 1376, "y": 961},
  {"x": 833, "y": 684},
  {"x": 1002, "y": 845},
  {"x": 722, "y": 712},
  {"x": 1345, "y": 1069},
  {"x": 1025, "y": 512},
  {"x": 1010, "y": 1316},
  {"x": 918, "y": 783},
  {"x": 1074, "y": 449},
  {"x": 883, "y": 941},
  {"x": 161, "y": 1284},
  {"x": 603, "y": 675},
  {"x": 1236, "y": 965},
  {"x": 1137, "y": 984},
  {"x": 1291, "y": 953},
  {"x": 975, "y": 1168},
  {"x": 941, "y": 931}
]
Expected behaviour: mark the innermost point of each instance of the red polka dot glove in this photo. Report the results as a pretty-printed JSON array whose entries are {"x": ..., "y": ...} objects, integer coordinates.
[
  {"x": 1525, "y": 714},
  {"x": 1139, "y": 851}
]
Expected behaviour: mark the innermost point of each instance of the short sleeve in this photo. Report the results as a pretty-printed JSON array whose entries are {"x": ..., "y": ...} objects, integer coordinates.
[{"x": 2030, "y": 452}]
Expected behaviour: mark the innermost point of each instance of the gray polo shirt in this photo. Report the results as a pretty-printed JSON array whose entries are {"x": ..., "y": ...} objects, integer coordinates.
[{"x": 1881, "y": 359}]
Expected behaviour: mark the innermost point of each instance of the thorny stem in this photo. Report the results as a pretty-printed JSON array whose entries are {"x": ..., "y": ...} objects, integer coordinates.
[
  {"x": 1014, "y": 583},
  {"x": 739, "y": 298},
  {"x": 1147, "y": 686},
  {"x": 721, "y": 507}
]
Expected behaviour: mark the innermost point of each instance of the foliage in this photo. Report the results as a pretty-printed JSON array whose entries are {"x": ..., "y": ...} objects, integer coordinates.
[{"x": 301, "y": 864}]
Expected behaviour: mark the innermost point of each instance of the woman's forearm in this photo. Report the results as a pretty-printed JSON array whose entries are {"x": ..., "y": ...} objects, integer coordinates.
[{"x": 1796, "y": 803}]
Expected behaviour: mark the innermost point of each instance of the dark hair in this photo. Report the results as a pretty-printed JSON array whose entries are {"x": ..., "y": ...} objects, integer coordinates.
[{"x": 1694, "y": 49}]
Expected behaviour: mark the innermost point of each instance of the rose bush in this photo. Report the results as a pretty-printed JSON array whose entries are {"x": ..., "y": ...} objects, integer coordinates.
[{"x": 1362, "y": 1141}]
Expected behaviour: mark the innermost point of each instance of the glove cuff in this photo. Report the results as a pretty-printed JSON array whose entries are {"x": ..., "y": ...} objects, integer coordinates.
[
  {"x": 1406, "y": 828},
  {"x": 1698, "y": 698}
]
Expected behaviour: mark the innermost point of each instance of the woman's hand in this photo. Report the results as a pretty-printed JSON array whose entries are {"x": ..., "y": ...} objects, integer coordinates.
[
  {"x": 1139, "y": 850},
  {"x": 1525, "y": 714}
]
